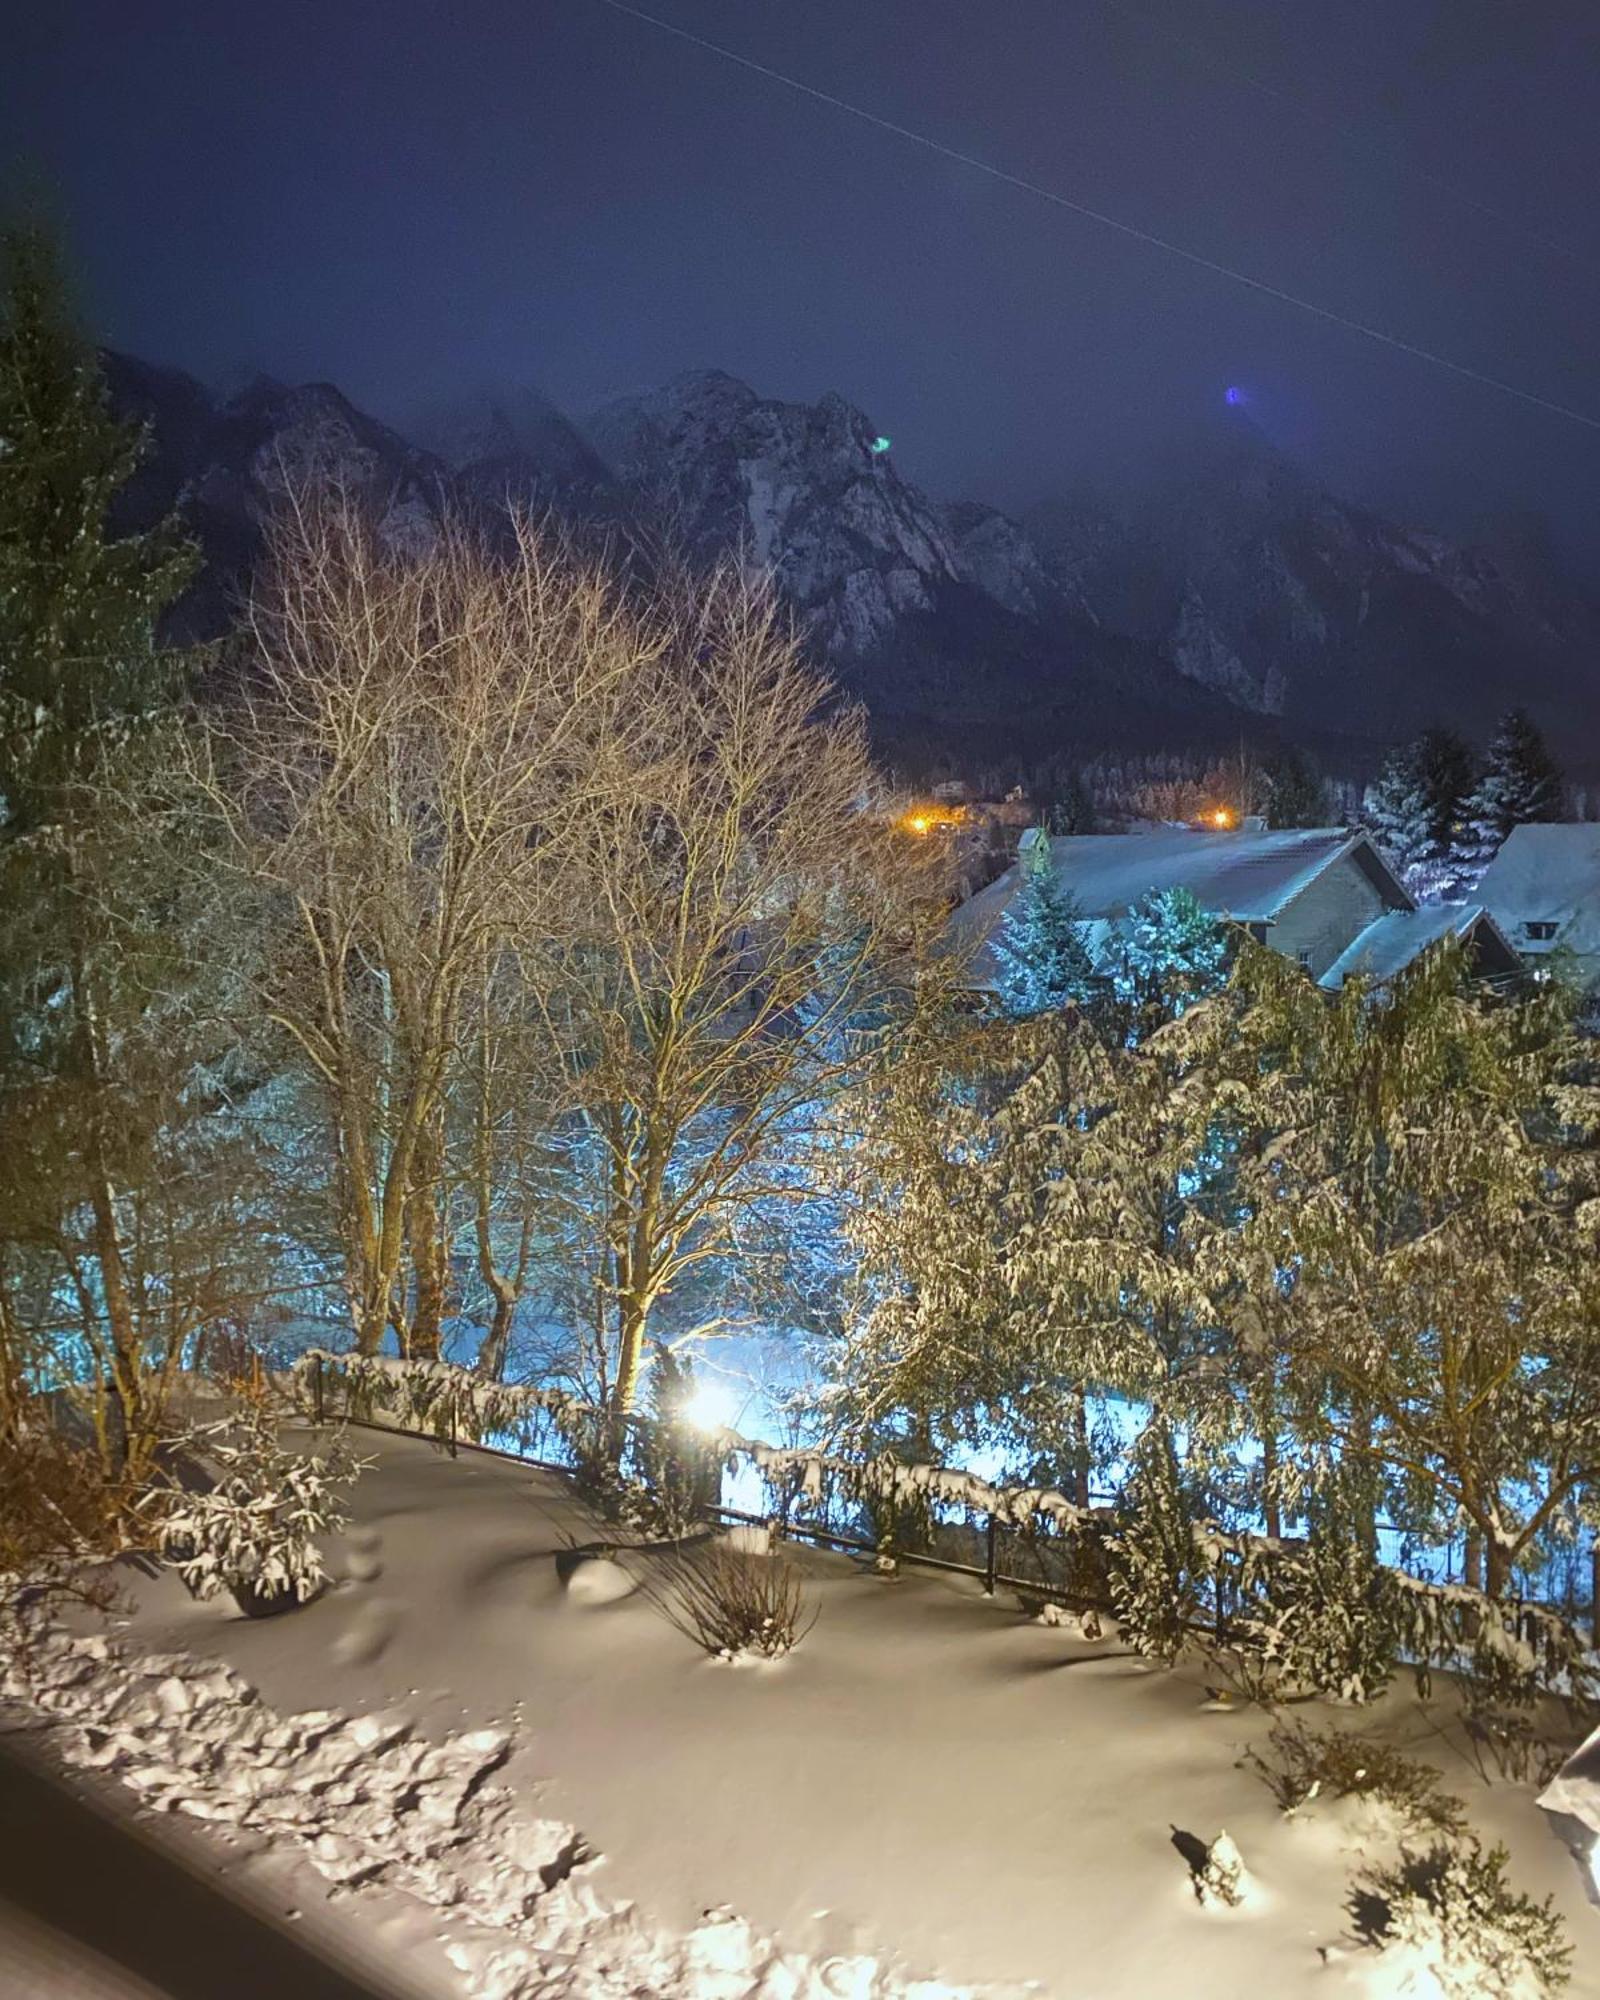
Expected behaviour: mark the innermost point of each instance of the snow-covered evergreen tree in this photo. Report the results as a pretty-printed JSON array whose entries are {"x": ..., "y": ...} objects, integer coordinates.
[
  {"x": 1329, "y": 1625},
  {"x": 1156, "y": 1560},
  {"x": 1039, "y": 949},
  {"x": 1394, "y": 809},
  {"x": 1520, "y": 785},
  {"x": 257, "y": 1531},
  {"x": 1168, "y": 954},
  {"x": 1416, "y": 811}
]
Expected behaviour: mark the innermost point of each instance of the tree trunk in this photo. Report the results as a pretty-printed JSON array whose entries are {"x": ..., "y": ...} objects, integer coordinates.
[
  {"x": 497, "y": 1342},
  {"x": 1272, "y": 1514},
  {"x": 429, "y": 1255},
  {"x": 632, "y": 1322},
  {"x": 124, "y": 1444},
  {"x": 1080, "y": 1449},
  {"x": 1472, "y": 1562}
]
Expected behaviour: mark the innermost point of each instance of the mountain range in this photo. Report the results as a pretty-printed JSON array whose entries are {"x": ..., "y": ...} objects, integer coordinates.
[{"x": 1238, "y": 599}]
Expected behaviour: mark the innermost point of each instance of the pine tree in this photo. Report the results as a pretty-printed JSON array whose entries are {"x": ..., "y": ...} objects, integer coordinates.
[
  {"x": 1043, "y": 961},
  {"x": 1068, "y": 806},
  {"x": 1167, "y": 955},
  {"x": 1416, "y": 811},
  {"x": 79, "y": 667},
  {"x": 1394, "y": 810},
  {"x": 1296, "y": 793},
  {"x": 1520, "y": 785},
  {"x": 111, "y": 1059}
]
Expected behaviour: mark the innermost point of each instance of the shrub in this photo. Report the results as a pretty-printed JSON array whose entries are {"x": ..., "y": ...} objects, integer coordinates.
[
  {"x": 1327, "y": 1625},
  {"x": 1221, "y": 1882},
  {"x": 1308, "y": 1763},
  {"x": 1511, "y": 1740},
  {"x": 653, "y": 1474},
  {"x": 1157, "y": 1562},
  {"x": 59, "y": 1514},
  {"x": 729, "y": 1602},
  {"x": 1452, "y": 1905},
  {"x": 255, "y": 1532}
]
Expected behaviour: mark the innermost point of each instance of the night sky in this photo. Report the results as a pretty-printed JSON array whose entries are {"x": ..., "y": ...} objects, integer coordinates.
[{"x": 414, "y": 199}]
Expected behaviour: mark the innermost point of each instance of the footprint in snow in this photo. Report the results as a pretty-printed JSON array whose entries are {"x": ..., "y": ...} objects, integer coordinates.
[{"x": 367, "y": 1633}]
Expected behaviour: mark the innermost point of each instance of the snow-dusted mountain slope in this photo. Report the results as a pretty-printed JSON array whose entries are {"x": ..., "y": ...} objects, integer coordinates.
[
  {"x": 1239, "y": 599},
  {"x": 1254, "y": 580}
]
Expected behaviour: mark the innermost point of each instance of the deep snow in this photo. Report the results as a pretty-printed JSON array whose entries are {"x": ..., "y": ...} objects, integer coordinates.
[{"x": 933, "y": 1787}]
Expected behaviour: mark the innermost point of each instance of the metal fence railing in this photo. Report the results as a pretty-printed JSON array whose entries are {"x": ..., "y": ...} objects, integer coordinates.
[{"x": 996, "y": 1551}]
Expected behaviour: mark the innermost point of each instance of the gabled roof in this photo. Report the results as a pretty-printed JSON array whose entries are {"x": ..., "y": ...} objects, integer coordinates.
[
  {"x": 1393, "y": 941},
  {"x": 1247, "y": 875},
  {"x": 1547, "y": 875}
]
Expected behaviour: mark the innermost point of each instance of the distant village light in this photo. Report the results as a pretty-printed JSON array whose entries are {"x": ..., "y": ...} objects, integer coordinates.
[{"x": 923, "y": 819}]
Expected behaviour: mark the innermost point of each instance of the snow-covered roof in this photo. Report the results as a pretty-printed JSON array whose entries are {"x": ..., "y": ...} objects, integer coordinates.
[
  {"x": 1391, "y": 942},
  {"x": 1547, "y": 875},
  {"x": 1248, "y": 874}
]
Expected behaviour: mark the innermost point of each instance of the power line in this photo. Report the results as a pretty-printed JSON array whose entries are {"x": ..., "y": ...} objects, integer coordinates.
[{"x": 1128, "y": 229}]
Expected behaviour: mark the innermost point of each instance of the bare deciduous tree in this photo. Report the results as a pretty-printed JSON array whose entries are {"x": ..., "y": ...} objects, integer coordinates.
[
  {"x": 749, "y": 923},
  {"x": 411, "y": 738}
]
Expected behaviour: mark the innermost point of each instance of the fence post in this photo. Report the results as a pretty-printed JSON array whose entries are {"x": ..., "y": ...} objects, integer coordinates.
[
  {"x": 989, "y": 1558},
  {"x": 319, "y": 1391}
]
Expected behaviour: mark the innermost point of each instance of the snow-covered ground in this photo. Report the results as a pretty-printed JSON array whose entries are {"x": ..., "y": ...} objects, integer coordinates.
[{"x": 518, "y": 1787}]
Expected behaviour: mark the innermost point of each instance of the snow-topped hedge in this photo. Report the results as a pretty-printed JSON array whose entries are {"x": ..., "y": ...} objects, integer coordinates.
[{"x": 1311, "y": 1616}]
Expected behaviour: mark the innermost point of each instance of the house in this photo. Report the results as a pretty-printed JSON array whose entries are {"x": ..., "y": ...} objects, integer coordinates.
[
  {"x": 1391, "y": 943},
  {"x": 1543, "y": 889},
  {"x": 1323, "y": 896}
]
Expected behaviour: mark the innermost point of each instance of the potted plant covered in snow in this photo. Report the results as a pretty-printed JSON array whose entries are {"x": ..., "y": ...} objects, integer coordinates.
[{"x": 256, "y": 1530}]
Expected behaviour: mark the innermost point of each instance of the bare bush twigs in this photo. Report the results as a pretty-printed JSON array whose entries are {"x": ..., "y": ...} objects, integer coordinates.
[{"x": 729, "y": 1603}]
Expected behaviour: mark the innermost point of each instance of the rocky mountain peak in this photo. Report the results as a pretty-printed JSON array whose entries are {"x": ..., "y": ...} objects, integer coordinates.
[{"x": 806, "y": 490}]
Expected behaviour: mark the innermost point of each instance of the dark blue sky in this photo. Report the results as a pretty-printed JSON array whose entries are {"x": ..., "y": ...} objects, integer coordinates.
[{"x": 416, "y": 198}]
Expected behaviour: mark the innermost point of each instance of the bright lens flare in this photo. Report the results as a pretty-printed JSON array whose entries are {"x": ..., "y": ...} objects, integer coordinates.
[{"x": 713, "y": 1406}]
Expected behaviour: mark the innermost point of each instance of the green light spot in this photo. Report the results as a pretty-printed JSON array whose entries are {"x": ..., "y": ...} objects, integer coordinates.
[{"x": 880, "y": 444}]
